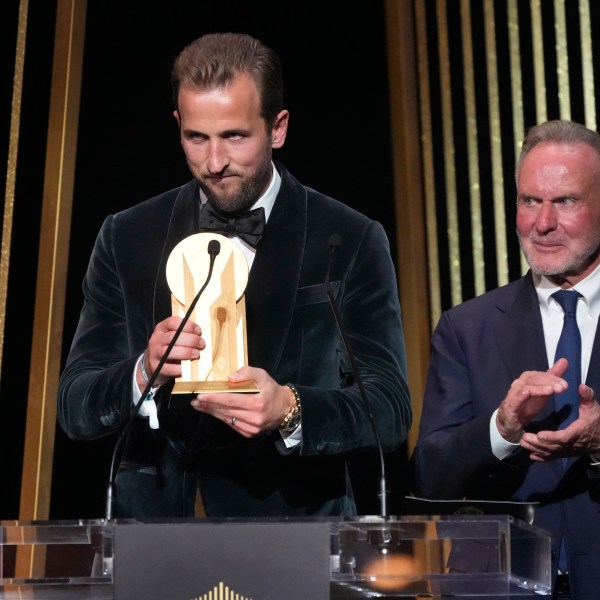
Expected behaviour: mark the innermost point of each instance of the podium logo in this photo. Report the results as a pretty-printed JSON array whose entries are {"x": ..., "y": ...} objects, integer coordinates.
[{"x": 221, "y": 592}]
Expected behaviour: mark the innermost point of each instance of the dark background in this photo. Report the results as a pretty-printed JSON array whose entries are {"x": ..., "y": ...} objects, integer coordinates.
[{"x": 335, "y": 75}]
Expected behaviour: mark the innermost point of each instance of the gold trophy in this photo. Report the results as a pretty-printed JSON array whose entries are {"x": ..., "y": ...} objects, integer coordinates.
[{"x": 220, "y": 311}]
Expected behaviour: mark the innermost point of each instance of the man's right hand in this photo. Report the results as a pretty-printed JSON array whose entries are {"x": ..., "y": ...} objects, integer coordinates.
[
  {"x": 188, "y": 347},
  {"x": 526, "y": 397}
]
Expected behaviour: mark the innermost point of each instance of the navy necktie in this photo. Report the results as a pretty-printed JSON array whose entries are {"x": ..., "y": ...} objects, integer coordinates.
[
  {"x": 248, "y": 226},
  {"x": 567, "y": 403},
  {"x": 569, "y": 347}
]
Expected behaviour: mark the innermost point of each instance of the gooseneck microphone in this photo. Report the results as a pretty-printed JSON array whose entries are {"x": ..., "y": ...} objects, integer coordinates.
[
  {"x": 335, "y": 241},
  {"x": 214, "y": 247}
]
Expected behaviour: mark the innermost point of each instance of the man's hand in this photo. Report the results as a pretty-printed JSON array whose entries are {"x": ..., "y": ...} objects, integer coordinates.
[
  {"x": 526, "y": 397},
  {"x": 250, "y": 414},
  {"x": 580, "y": 437},
  {"x": 187, "y": 347}
]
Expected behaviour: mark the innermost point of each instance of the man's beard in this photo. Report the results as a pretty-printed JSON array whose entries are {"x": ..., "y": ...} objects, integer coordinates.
[
  {"x": 250, "y": 190},
  {"x": 573, "y": 264}
]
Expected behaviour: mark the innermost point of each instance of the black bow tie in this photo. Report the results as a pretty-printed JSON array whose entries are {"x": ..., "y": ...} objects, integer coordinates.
[{"x": 248, "y": 226}]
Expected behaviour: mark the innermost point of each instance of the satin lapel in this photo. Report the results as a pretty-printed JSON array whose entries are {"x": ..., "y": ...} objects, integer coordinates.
[
  {"x": 274, "y": 278},
  {"x": 182, "y": 222}
]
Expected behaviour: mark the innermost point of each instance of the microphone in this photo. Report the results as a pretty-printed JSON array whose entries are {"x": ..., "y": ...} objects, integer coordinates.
[
  {"x": 214, "y": 247},
  {"x": 335, "y": 241}
]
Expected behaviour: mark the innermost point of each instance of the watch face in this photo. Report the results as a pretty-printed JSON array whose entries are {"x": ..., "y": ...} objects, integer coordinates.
[{"x": 294, "y": 422}]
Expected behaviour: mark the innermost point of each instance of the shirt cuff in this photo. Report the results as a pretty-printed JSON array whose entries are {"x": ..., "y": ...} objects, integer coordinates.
[
  {"x": 500, "y": 447},
  {"x": 148, "y": 408},
  {"x": 293, "y": 438}
]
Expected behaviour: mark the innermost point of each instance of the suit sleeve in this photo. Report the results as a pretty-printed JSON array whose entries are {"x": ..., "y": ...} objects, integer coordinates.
[
  {"x": 337, "y": 420},
  {"x": 453, "y": 457},
  {"x": 95, "y": 389}
]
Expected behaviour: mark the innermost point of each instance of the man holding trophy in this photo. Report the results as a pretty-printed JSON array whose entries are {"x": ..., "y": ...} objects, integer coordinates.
[{"x": 214, "y": 297}]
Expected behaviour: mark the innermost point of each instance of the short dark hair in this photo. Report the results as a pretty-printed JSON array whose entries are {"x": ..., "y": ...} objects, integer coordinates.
[{"x": 214, "y": 59}]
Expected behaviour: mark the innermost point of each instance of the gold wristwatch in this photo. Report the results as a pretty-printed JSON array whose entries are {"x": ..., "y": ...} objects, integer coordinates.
[{"x": 293, "y": 417}]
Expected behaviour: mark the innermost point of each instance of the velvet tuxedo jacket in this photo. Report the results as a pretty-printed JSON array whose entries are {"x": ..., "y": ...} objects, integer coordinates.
[
  {"x": 291, "y": 334},
  {"x": 478, "y": 349}
]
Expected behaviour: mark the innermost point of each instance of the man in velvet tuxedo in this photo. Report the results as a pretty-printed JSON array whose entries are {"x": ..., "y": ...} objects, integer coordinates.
[
  {"x": 283, "y": 450},
  {"x": 490, "y": 427}
]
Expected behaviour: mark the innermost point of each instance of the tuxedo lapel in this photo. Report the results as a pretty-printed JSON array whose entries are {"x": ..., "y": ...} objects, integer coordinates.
[
  {"x": 274, "y": 277},
  {"x": 180, "y": 223}
]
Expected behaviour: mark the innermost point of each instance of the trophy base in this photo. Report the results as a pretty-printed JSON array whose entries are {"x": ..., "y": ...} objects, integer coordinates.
[{"x": 197, "y": 387}]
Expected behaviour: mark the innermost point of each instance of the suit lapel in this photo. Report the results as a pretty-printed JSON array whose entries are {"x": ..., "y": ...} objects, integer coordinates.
[
  {"x": 181, "y": 223},
  {"x": 520, "y": 334},
  {"x": 275, "y": 275},
  {"x": 519, "y": 331}
]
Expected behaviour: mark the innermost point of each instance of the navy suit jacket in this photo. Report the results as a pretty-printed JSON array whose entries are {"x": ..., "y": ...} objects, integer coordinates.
[
  {"x": 291, "y": 334},
  {"x": 478, "y": 349}
]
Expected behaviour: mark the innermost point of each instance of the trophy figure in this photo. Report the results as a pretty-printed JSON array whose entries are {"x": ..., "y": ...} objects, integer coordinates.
[{"x": 220, "y": 312}]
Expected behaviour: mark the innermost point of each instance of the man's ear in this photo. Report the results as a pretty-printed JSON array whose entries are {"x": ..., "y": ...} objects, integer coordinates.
[
  {"x": 176, "y": 115},
  {"x": 279, "y": 130}
]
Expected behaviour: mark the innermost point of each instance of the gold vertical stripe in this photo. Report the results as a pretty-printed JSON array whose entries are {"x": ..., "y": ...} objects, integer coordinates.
[
  {"x": 495, "y": 143},
  {"x": 562, "y": 59},
  {"x": 539, "y": 75},
  {"x": 587, "y": 64},
  {"x": 516, "y": 74},
  {"x": 411, "y": 255},
  {"x": 11, "y": 166},
  {"x": 449, "y": 155},
  {"x": 516, "y": 89},
  {"x": 53, "y": 255},
  {"x": 428, "y": 165},
  {"x": 472, "y": 150}
]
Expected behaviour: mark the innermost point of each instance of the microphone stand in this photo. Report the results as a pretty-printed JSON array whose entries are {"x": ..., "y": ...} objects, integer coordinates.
[
  {"x": 334, "y": 244},
  {"x": 214, "y": 247}
]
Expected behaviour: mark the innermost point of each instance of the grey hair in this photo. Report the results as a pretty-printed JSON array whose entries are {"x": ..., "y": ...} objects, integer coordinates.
[{"x": 557, "y": 132}]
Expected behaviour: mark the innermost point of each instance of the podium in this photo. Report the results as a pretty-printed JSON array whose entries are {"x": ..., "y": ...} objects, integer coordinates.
[
  {"x": 413, "y": 556},
  {"x": 445, "y": 556}
]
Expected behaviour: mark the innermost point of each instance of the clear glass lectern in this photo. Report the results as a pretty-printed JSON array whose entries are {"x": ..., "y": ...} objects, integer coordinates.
[{"x": 492, "y": 556}]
